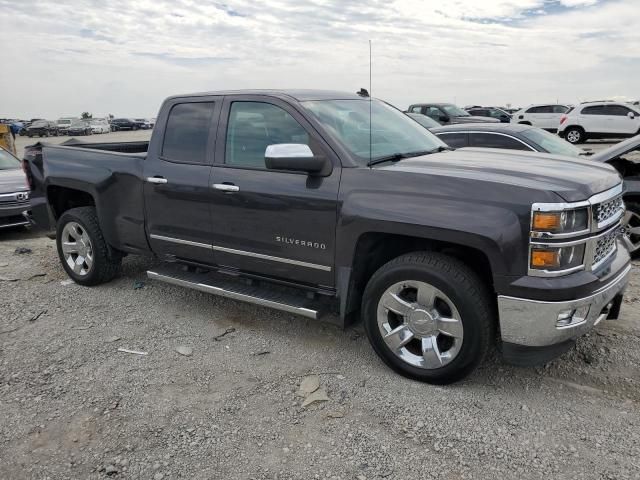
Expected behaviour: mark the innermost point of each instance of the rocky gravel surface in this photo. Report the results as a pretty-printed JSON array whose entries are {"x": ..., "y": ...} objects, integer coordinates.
[{"x": 214, "y": 389}]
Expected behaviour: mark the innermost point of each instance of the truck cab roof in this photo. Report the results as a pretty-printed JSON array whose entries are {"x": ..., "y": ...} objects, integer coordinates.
[{"x": 299, "y": 95}]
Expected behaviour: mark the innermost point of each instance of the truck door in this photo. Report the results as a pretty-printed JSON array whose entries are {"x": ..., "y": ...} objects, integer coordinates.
[
  {"x": 176, "y": 173},
  {"x": 272, "y": 223}
]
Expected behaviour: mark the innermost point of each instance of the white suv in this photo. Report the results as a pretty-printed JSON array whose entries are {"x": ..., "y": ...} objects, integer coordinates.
[
  {"x": 599, "y": 120},
  {"x": 545, "y": 116}
]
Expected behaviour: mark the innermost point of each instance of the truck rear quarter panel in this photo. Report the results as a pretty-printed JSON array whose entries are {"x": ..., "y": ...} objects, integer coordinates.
[{"x": 114, "y": 180}]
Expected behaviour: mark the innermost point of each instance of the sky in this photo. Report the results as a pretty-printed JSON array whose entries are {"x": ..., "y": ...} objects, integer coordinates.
[{"x": 124, "y": 57}]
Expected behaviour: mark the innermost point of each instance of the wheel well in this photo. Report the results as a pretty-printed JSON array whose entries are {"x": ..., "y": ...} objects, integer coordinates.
[
  {"x": 62, "y": 199},
  {"x": 577, "y": 127},
  {"x": 375, "y": 249}
]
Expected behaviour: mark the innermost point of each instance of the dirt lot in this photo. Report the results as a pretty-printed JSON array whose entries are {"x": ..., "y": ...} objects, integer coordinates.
[{"x": 73, "y": 406}]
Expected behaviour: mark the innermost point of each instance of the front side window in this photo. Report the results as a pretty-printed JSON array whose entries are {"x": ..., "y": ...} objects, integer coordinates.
[
  {"x": 386, "y": 132},
  {"x": 492, "y": 140},
  {"x": 560, "y": 109},
  {"x": 187, "y": 132},
  {"x": 253, "y": 126},
  {"x": 617, "y": 110},
  {"x": 454, "y": 111}
]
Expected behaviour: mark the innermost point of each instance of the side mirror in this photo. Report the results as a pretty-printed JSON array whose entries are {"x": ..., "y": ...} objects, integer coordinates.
[
  {"x": 443, "y": 118},
  {"x": 295, "y": 157},
  {"x": 631, "y": 115}
]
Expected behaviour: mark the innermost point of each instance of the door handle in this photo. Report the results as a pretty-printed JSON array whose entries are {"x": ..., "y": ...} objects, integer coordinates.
[
  {"x": 157, "y": 180},
  {"x": 226, "y": 187}
]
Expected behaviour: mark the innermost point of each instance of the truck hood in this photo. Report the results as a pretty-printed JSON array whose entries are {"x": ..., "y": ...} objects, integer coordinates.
[
  {"x": 13, "y": 180},
  {"x": 573, "y": 179}
]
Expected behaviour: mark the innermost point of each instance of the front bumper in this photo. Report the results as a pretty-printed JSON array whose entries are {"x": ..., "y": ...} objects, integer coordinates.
[
  {"x": 535, "y": 323},
  {"x": 14, "y": 216}
]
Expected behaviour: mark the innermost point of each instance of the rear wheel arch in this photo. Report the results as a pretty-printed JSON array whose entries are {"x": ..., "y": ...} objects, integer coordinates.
[{"x": 62, "y": 199}]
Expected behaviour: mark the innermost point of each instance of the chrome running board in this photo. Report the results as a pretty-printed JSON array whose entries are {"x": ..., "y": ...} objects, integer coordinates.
[{"x": 259, "y": 293}]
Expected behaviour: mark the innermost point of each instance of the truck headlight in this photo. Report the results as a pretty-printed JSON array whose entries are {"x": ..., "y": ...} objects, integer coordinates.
[
  {"x": 556, "y": 259},
  {"x": 566, "y": 221}
]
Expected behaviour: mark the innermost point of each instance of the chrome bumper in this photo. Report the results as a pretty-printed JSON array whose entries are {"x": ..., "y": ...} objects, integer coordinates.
[{"x": 535, "y": 323}]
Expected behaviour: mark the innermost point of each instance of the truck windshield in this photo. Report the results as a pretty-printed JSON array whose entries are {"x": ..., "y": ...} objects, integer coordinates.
[
  {"x": 392, "y": 132},
  {"x": 8, "y": 161}
]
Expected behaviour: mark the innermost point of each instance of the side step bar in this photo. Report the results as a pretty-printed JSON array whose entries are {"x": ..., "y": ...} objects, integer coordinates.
[{"x": 285, "y": 299}]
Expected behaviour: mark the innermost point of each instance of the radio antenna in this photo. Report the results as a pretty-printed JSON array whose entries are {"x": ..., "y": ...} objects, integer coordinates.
[{"x": 370, "y": 107}]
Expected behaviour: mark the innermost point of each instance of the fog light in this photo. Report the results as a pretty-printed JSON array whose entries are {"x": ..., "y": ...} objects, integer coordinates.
[{"x": 565, "y": 318}]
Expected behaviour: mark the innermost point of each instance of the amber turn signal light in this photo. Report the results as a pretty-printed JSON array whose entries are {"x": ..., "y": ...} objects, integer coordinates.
[
  {"x": 544, "y": 221},
  {"x": 545, "y": 258}
]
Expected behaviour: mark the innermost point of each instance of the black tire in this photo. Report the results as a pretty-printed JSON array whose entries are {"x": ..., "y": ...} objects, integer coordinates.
[
  {"x": 463, "y": 287},
  {"x": 575, "y": 135},
  {"x": 106, "y": 260}
]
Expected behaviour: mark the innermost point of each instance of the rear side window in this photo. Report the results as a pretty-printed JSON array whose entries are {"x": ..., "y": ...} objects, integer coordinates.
[
  {"x": 492, "y": 140},
  {"x": 594, "y": 110},
  {"x": 455, "y": 139},
  {"x": 187, "y": 132}
]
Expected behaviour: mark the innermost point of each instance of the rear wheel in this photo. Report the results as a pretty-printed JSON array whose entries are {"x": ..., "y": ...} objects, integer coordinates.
[
  {"x": 429, "y": 317},
  {"x": 83, "y": 251},
  {"x": 575, "y": 135}
]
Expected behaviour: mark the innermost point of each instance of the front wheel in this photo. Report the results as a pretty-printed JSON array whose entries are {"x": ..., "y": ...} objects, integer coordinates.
[
  {"x": 429, "y": 317},
  {"x": 83, "y": 251},
  {"x": 631, "y": 227}
]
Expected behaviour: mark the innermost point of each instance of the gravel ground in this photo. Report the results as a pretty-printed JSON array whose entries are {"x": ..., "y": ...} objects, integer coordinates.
[{"x": 73, "y": 406}]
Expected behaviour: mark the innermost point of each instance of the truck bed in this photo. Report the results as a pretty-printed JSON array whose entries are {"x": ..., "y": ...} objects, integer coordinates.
[{"x": 120, "y": 147}]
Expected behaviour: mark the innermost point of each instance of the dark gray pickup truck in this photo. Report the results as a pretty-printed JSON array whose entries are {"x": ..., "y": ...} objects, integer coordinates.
[{"x": 290, "y": 200}]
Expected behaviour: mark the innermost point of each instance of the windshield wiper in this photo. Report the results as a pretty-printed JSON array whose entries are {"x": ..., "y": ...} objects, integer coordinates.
[{"x": 400, "y": 156}]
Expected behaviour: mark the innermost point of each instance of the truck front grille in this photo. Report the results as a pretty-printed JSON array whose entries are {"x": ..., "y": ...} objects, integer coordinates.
[
  {"x": 608, "y": 211},
  {"x": 604, "y": 246}
]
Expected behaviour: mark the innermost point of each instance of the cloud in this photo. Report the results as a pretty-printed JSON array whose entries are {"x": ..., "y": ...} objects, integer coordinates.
[{"x": 124, "y": 57}]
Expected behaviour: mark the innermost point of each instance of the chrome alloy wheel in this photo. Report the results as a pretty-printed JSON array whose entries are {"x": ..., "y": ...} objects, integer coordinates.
[
  {"x": 77, "y": 248},
  {"x": 420, "y": 324},
  {"x": 573, "y": 136},
  {"x": 631, "y": 230}
]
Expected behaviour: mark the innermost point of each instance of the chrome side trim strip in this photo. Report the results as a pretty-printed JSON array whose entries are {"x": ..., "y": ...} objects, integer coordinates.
[
  {"x": 180, "y": 241},
  {"x": 305, "y": 312},
  {"x": 262, "y": 256},
  {"x": 233, "y": 251}
]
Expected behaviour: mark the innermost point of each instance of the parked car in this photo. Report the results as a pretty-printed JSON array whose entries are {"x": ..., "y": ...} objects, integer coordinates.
[
  {"x": 14, "y": 192},
  {"x": 42, "y": 128},
  {"x": 118, "y": 124},
  {"x": 313, "y": 211},
  {"x": 100, "y": 125},
  {"x": 426, "y": 122},
  {"x": 599, "y": 120},
  {"x": 143, "y": 123},
  {"x": 81, "y": 127},
  {"x": 492, "y": 112},
  {"x": 447, "y": 113},
  {"x": 64, "y": 123},
  {"x": 510, "y": 136},
  {"x": 545, "y": 116}
]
